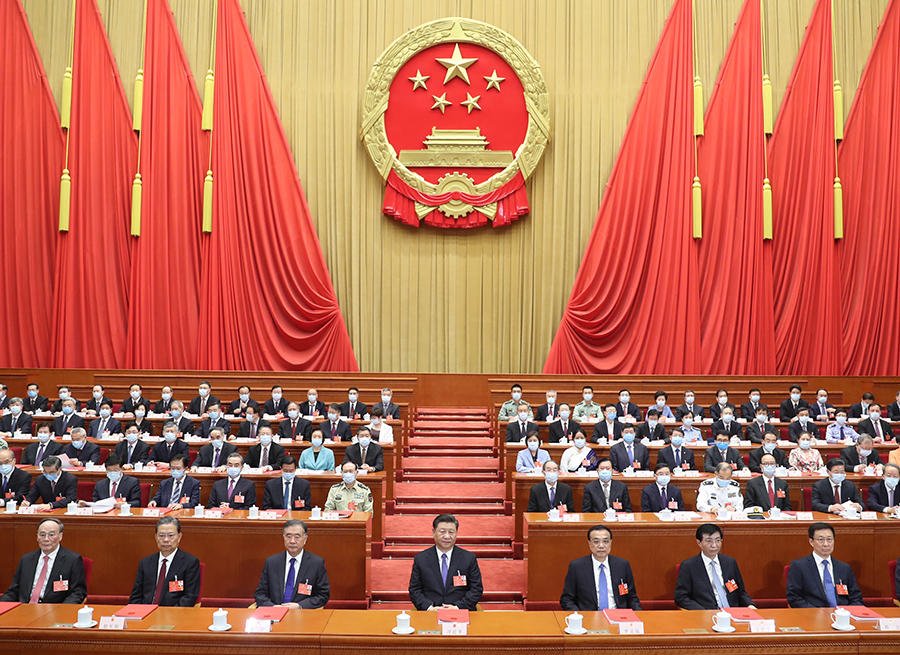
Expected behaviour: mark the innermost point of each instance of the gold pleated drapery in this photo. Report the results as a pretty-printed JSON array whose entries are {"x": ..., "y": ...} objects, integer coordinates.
[{"x": 446, "y": 300}]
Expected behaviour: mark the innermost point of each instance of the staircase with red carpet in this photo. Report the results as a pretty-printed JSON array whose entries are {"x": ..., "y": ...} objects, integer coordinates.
[{"x": 450, "y": 465}]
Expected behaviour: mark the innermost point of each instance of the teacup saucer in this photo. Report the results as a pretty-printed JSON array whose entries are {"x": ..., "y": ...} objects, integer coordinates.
[
  {"x": 575, "y": 631},
  {"x": 84, "y": 625},
  {"x": 727, "y": 630},
  {"x": 224, "y": 628},
  {"x": 408, "y": 631},
  {"x": 847, "y": 628}
]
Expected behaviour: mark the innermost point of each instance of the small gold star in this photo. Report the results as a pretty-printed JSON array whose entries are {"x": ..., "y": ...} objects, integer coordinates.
[
  {"x": 471, "y": 103},
  {"x": 456, "y": 65},
  {"x": 493, "y": 80},
  {"x": 419, "y": 80},
  {"x": 441, "y": 103}
]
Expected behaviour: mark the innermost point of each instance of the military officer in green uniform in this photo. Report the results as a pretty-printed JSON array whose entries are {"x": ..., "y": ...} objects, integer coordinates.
[
  {"x": 349, "y": 494},
  {"x": 508, "y": 410},
  {"x": 587, "y": 408}
]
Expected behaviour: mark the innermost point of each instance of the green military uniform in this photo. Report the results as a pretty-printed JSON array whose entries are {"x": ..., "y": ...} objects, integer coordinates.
[
  {"x": 510, "y": 409},
  {"x": 584, "y": 410},
  {"x": 340, "y": 497}
]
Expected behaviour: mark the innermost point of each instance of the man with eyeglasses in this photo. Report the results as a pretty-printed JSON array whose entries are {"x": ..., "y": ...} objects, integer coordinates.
[
  {"x": 51, "y": 574},
  {"x": 599, "y": 581},
  {"x": 171, "y": 577},
  {"x": 710, "y": 580},
  {"x": 295, "y": 578},
  {"x": 819, "y": 580}
]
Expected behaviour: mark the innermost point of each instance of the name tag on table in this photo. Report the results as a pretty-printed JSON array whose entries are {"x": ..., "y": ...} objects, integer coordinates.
[
  {"x": 762, "y": 625},
  {"x": 83, "y": 511},
  {"x": 204, "y": 469},
  {"x": 625, "y": 518},
  {"x": 268, "y": 514},
  {"x": 794, "y": 474},
  {"x": 869, "y": 516},
  {"x": 631, "y": 628},
  {"x": 888, "y": 624},
  {"x": 692, "y": 473},
  {"x": 571, "y": 518},
  {"x": 330, "y": 516},
  {"x": 27, "y": 510},
  {"x": 151, "y": 512},
  {"x": 213, "y": 514},
  {"x": 804, "y": 516},
  {"x": 454, "y": 629},
  {"x": 112, "y": 622},
  {"x": 258, "y": 625},
  {"x": 682, "y": 516}
]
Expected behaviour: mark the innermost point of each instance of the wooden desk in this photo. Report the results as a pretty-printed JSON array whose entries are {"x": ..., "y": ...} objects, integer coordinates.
[
  {"x": 654, "y": 548},
  {"x": 233, "y": 549},
  {"x": 687, "y": 485}
]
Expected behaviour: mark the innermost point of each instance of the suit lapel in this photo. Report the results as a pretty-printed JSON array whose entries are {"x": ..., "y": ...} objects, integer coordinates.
[
  {"x": 302, "y": 571},
  {"x": 433, "y": 559}
]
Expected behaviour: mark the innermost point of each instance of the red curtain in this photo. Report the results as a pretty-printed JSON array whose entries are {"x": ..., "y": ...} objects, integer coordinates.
[
  {"x": 868, "y": 164},
  {"x": 738, "y": 332},
  {"x": 635, "y": 309},
  {"x": 90, "y": 300},
  {"x": 801, "y": 167},
  {"x": 165, "y": 267},
  {"x": 30, "y": 169},
  {"x": 268, "y": 301}
]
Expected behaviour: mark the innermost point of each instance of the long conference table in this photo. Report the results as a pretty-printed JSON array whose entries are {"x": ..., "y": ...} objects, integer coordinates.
[
  {"x": 174, "y": 631},
  {"x": 653, "y": 547},
  {"x": 232, "y": 548}
]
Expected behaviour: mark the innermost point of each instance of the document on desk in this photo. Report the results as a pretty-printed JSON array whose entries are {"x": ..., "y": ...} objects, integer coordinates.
[{"x": 102, "y": 506}]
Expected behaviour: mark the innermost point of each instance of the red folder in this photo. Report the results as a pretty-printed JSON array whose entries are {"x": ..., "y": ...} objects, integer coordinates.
[
  {"x": 278, "y": 512},
  {"x": 270, "y": 613},
  {"x": 5, "y": 607},
  {"x": 862, "y": 613},
  {"x": 452, "y": 616},
  {"x": 134, "y": 611},
  {"x": 620, "y": 616},
  {"x": 743, "y": 614}
]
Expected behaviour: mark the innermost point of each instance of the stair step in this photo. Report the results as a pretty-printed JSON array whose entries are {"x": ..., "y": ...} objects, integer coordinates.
[
  {"x": 462, "y": 464},
  {"x": 497, "y": 528},
  {"x": 454, "y": 442},
  {"x": 462, "y": 540},
  {"x": 481, "y": 551},
  {"x": 476, "y": 411},
  {"x": 450, "y": 477},
  {"x": 465, "y": 426},
  {"x": 445, "y": 508},
  {"x": 473, "y": 492},
  {"x": 448, "y": 452}
]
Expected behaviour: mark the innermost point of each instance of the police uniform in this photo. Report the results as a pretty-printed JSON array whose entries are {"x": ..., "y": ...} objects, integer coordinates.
[
  {"x": 584, "y": 410},
  {"x": 509, "y": 410},
  {"x": 340, "y": 497},
  {"x": 711, "y": 496}
]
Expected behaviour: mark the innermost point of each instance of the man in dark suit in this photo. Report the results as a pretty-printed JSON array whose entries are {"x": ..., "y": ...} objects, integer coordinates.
[
  {"x": 235, "y": 491},
  {"x": 625, "y": 408},
  {"x": 4, "y": 396},
  {"x": 726, "y": 425},
  {"x": 250, "y": 428},
  {"x": 366, "y": 455},
  {"x": 390, "y": 409},
  {"x": 599, "y": 581},
  {"x": 296, "y": 578},
  {"x": 265, "y": 455},
  {"x": 68, "y": 420},
  {"x": 748, "y": 409},
  {"x": 819, "y": 580},
  {"x": 214, "y": 420},
  {"x": 334, "y": 428},
  {"x": 760, "y": 427},
  {"x": 65, "y": 394},
  {"x": 821, "y": 410},
  {"x": 770, "y": 446},
  {"x": 629, "y": 452},
  {"x": 790, "y": 406},
  {"x": 312, "y": 406},
  {"x": 51, "y": 574},
  {"x": 861, "y": 454},
  {"x": 136, "y": 399},
  {"x": 710, "y": 580},
  {"x": 445, "y": 576},
  {"x": 200, "y": 404},
  {"x": 551, "y": 493},
  {"x": 16, "y": 421},
  {"x": 35, "y": 453},
  {"x": 297, "y": 428},
  {"x": 35, "y": 402},
  {"x": 605, "y": 493},
  {"x": 14, "y": 482},
  {"x": 56, "y": 488},
  {"x": 884, "y": 496},
  {"x": 652, "y": 429},
  {"x": 277, "y": 404},
  {"x": 239, "y": 406},
  {"x": 661, "y": 494},
  {"x": 767, "y": 491},
  {"x": 117, "y": 485},
  {"x": 861, "y": 410},
  {"x": 179, "y": 586},
  {"x": 718, "y": 408},
  {"x": 517, "y": 430},
  {"x": 876, "y": 426},
  {"x": 608, "y": 428},
  {"x": 163, "y": 451},
  {"x": 802, "y": 424},
  {"x": 549, "y": 410},
  {"x": 180, "y": 491},
  {"x": 829, "y": 494},
  {"x": 164, "y": 404},
  {"x": 185, "y": 426},
  {"x": 720, "y": 452},
  {"x": 893, "y": 415},
  {"x": 296, "y": 490},
  {"x": 105, "y": 424},
  {"x": 353, "y": 409},
  {"x": 689, "y": 407},
  {"x": 675, "y": 455},
  {"x": 215, "y": 454},
  {"x": 132, "y": 450},
  {"x": 80, "y": 451},
  {"x": 565, "y": 427}
]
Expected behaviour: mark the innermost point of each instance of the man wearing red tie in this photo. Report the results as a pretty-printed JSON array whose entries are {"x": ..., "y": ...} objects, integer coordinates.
[
  {"x": 171, "y": 577},
  {"x": 295, "y": 427},
  {"x": 51, "y": 574},
  {"x": 335, "y": 429}
]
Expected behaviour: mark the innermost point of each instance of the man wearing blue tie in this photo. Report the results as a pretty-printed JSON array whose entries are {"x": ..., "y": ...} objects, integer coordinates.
[
  {"x": 445, "y": 576},
  {"x": 288, "y": 491},
  {"x": 599, "y": 581},
  {"x": 296, "y": 578},
  {"x": 819, "y": 580},
  {"x": 710, "y": 580}
]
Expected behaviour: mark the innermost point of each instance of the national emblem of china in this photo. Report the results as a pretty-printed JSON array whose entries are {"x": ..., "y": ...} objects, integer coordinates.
[{"x": 456, "y": 118}]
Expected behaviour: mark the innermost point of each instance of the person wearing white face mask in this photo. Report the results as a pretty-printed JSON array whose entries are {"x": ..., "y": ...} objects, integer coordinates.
[
  {"x": 717, "y": 408},
  {"x": 239, "y": 406},
  {"x": 627, "y": 409},
  {"x": 135, "y": 399},
  {"x": 532, "y": 457},
  {"x": 68, "y": 420},
  {"x": 879, "y": 429},
  {"x": 277, "y": 404},
  {"x": 831, "y": 494},
  {"x": 132, "y": 450},
  {"x": 510, "y": 409},
  {"x": 861, "y": 409},
  {"x": 164, "y": 404},
  {"x": 349, "y": 494},
  {"x": 318, "y": 457},
  {"x": 804, "y": 457},
  {"x": 163, "y": 451},
  {"x": 563, "y": 429},
  {"x": 105, "y": 426},
  {"x": 367, "y": 456},
  {"x": 549, "y": 411},
  {"x": 676, "y": 455},
  {"x": 98, "y": 396},
  {"x": 803, "y": 424},
  {"x": 651, "y": 428},
  {"x": 609, "y": 428},
  {"x": 550, "y": 493},
  {"x": 235, "y": 491},
  {"x": 81, "y": 451},
  {"x": 117, "y": 485},
  {"x": 821, "y": 410},
  {"x": 579, "y": 455},
  {"x": 521, "y": 426},
  {"x": 861, "y": 455},
  {"x": 660, "y": 398},
  {"x": 662, "y": 494},
  {"x": 334, "y": 428},
  {"x": 65, "y": 394},
  {"x": 287, "y": 491},
  {"x": 176, "y": 414},
  {"x": 790, "y": 406},
  {"x": 605, "y": 493},
  {"x": 381, "y": 431},
  {"x": 214, "y": 420},
  {"x": 250, "y": 429},
  {"x": 767, "y": 491},
  {"x": 266, "y": 455},
  {"x": 140, "y": 420},
  {"x": 389, "y": 409},
  {"x": 839, "y": 430},
  {"x": 294, "y": 427},
  {"x": 884, "y": 496},
  {"x": 200, "y": 404},
  {"x": 180, "y": 491},
  {"x": 353, "y": 409},
  {"x": 312, "y": 406},
  {"x": 16, "y": 421},
  {"x": 690, "y": 406},
  {"x": 691, "y": 434},
  {"x": 720, "y": 492},
  {"x": 587, "y": 410},
  {"x": 215, "y": 454},
  {"x": 35, "y": 453},
  {"x": 749, "y": 409},
  {"x": 769, "y": 447},
  {"x": 15, "y": 483},
  {"x": 760, "y": 426},
  {"x": 727, "y": 425}
]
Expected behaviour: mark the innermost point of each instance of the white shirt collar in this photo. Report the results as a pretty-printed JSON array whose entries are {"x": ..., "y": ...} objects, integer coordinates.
[
  {"x": 819, "y": 561},
  {"x": 707, "y": 560}
]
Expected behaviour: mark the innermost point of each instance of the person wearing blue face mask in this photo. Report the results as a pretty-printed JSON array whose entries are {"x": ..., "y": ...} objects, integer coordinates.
[
  {"x": 609, "y": 428},
  {"x": 691, "y": 434},
  {"x": 214, "y": 454},
  {"x": 803, "y": 424},
  {"x": 830, "y": 494},
  {"x": 68, "y": 420},
  {"x": 266, "y": 455},
  {"x": 652, "y": 429},
  {"x": 520, "y": 425},
  {"x": 235, "y": 491},
  {"x": 296, "y": 428},
  {"x": 141, "y": 421},
  {"x": 213, "y": 420},
  {"x": 629, "y": 452},
  {"x": 790, "y": 406},
  {"x": 287, "y": 491},
  {"x": 183, "y": 425},
  {"x": 251, "y": 428},
  {"x": 164, "y": 404},
  {"x": 689, "y": 406},
  {"x": 767, "y": 491},
  {"x": 200, "y": 404},
  {"x": 35, "y": 453},
  {"x": 722, "y": 452},
  {"x": 769, "y": 447},
  {"x": 578, "y": 456},
  {"x": 179, "y": 491},
  {"x": 132, "y": 450},
  {"x": 312, "y": 406},
  {"x": 163, "y": 451},
  {"x": 277, "y": 404},
  {"x": 563, "y": 429},
  {"x": 532, "y": 457},
  {"x": 350, "y": 494},
  {"x": 676, "y": 455},
  {"x": 550, "y": 493},
  {"x": 55, "y": 487},
  {"x": 367, "y": 455},
  {"x": 760, "y": 426},
  {"x": 239, "y": 406},
  {"x": 605, "y": 493},
  {"x": 65, "y": 394},
  {"x": 510, "y": 409},
  {"x": 105, "y": 425},
  {"x": 135, "y": 399},
  {"x": 16, "y": 421},
  {"x": 839, "y": 431},
  {"x": 884, "y": 496},
  {"x": 727, "y": 425},
  {"x": 117, "y": 485},
  {"x": 35, "y": 402},
  {"x": 317, "y": 457},
  {"x": 14, "y": 482},
  {"x": 81, "y": 451},
  {"x": 661, "y": 494},
  {"x": 720, "y": 492}
]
